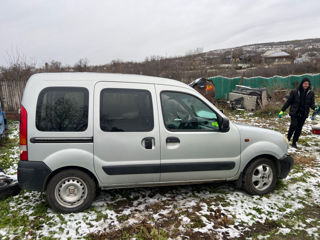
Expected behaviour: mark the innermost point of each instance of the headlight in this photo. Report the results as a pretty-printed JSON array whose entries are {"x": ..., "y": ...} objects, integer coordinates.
[{"x": 285, "y": 139}]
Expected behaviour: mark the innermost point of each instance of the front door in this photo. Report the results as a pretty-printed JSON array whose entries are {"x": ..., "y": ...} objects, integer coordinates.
[
  {"x": 193, "y": 148},
  {"x": 126, "y": 134}
]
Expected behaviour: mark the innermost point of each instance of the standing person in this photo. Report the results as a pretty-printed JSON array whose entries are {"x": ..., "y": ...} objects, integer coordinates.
[{"x": 300, "y": 100}]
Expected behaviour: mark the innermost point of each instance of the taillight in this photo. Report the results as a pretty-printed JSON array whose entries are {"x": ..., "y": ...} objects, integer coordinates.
[
  {"x": 23, "y": 134},
  {"x": 316, "y": 131}
]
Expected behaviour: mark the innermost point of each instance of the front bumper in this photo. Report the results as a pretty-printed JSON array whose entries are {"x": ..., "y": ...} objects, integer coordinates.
[
  {"x": 33, "y": 175},
  {"x": 286, "y": 164}
]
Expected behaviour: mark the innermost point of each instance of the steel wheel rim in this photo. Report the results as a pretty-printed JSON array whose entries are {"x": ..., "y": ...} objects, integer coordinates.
[
  {"x": 71, "y": 192},
  {"x": 262, "y": 177}
]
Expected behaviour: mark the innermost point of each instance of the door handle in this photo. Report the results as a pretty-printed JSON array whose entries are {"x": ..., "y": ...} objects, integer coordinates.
[
  {"x": 172, "y": 140},
  {"x": 148, "y": 142}
]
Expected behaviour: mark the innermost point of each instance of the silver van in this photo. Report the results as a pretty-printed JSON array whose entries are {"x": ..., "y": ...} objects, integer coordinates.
[{"x": 80, "y": 132}]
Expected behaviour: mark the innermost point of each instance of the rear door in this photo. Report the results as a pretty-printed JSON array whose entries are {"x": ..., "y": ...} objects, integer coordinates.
[
  {"x": 126, "y": 133},
  {"x": 60, "y": 126},
  {"x": 192, "y": 146}
]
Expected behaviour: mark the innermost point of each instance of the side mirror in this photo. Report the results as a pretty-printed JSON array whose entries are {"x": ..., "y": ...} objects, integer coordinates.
[{"x": 225, "y": 125}]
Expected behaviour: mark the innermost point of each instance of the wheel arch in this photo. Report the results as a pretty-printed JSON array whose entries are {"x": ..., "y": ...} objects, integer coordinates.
[
  {"x": 240, "y": 180},
  {"x": 263, "y": 183},
  {"x": 267, "y": 156},
  {"x": 55, "y": 172}
]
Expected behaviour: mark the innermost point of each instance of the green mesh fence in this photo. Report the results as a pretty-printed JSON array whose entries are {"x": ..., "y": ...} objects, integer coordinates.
[{"x": 225, "y": 85}]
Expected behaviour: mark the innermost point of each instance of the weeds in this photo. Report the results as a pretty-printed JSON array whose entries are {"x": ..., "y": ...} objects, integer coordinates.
[
  {"x": 302, "y": 217},
  {"x": 9, "y": 149},
  {"x": 269, "y": 111}
]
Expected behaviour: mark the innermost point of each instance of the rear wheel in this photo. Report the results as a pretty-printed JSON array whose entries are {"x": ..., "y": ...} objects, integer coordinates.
[
  {"x": 70, "y": 190},
  {"x": 260, "y": 177}
]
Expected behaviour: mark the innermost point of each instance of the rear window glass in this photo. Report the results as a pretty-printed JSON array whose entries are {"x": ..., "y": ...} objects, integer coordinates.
[
  {"x": 62, "y": 109},
  {"x": 126, "y": 110}
]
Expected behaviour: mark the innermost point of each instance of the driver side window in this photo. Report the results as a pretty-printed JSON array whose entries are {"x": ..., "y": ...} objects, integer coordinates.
[{"x": 183, "y": 111}]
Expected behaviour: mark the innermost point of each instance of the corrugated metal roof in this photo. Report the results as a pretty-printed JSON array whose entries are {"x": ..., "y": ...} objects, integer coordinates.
[{"x": 275, "y": 53}]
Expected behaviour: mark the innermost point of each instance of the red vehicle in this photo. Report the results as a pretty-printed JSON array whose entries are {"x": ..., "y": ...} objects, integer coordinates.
[{"x": 316, "y": 129}]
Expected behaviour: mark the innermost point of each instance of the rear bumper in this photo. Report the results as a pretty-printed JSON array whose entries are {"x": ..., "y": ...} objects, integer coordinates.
[
  {"x": 286, "y": 164},
  {"x": 33, "y": 175}
]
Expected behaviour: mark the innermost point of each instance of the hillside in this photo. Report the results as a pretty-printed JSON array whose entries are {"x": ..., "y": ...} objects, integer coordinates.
[
  {"x": 240, "y": 61},
  {"x": 303, "y": 56}
]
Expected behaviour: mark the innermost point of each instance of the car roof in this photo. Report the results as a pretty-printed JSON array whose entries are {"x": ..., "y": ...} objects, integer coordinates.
[{"x": 98, "y": 77}]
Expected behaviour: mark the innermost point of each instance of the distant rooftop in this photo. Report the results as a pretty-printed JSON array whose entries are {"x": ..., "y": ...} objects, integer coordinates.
[{"x": 275, "y": 53}]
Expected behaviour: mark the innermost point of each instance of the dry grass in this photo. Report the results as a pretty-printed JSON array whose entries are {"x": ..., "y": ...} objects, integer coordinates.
[
  {"x": 271, "y": 110},
  {"x": 304, "y": 160}
]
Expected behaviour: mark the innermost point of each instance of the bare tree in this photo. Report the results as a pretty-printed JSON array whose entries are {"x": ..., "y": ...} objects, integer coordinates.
[
  {"x": 19, "y": 69},
  {"x": 82, "y": 65},
  {"x": 194, "y": 51},
  {"x": 53, "y": 66}
]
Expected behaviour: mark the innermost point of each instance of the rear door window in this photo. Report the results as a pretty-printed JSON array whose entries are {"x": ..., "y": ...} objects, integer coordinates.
[
  {"x": 62, "y": 109},
  {"x": 126, "y": 110}
]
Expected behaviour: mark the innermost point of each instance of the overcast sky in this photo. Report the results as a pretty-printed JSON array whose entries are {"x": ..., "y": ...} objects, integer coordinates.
[{"x": 131, "y": 30}]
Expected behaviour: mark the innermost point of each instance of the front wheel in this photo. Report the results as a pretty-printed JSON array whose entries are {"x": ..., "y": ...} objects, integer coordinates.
[
  {"x": 260, "y": 177},
  {"x": 71, "y": 190}
]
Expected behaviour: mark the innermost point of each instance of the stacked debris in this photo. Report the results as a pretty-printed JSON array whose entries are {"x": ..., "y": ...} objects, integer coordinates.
[
  {"x": 8, "y": 186},
  {"x": 243, "y": 97},
  {"x": 280, "y": 95},
  {"x": 205, "y": 87}
]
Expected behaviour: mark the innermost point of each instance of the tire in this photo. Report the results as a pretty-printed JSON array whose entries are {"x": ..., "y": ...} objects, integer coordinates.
[
  {"x": 70, "y": 190},
  {"x": 260, "y": 177}
]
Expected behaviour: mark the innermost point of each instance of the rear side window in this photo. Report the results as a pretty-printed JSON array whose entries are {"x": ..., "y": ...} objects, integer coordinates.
[
  {"x": 126, "y": 110},
  {"x": 62, "y": 109}
]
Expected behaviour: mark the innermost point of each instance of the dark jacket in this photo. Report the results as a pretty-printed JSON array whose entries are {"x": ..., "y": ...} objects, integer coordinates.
[{"x": 295, "y": 99}]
